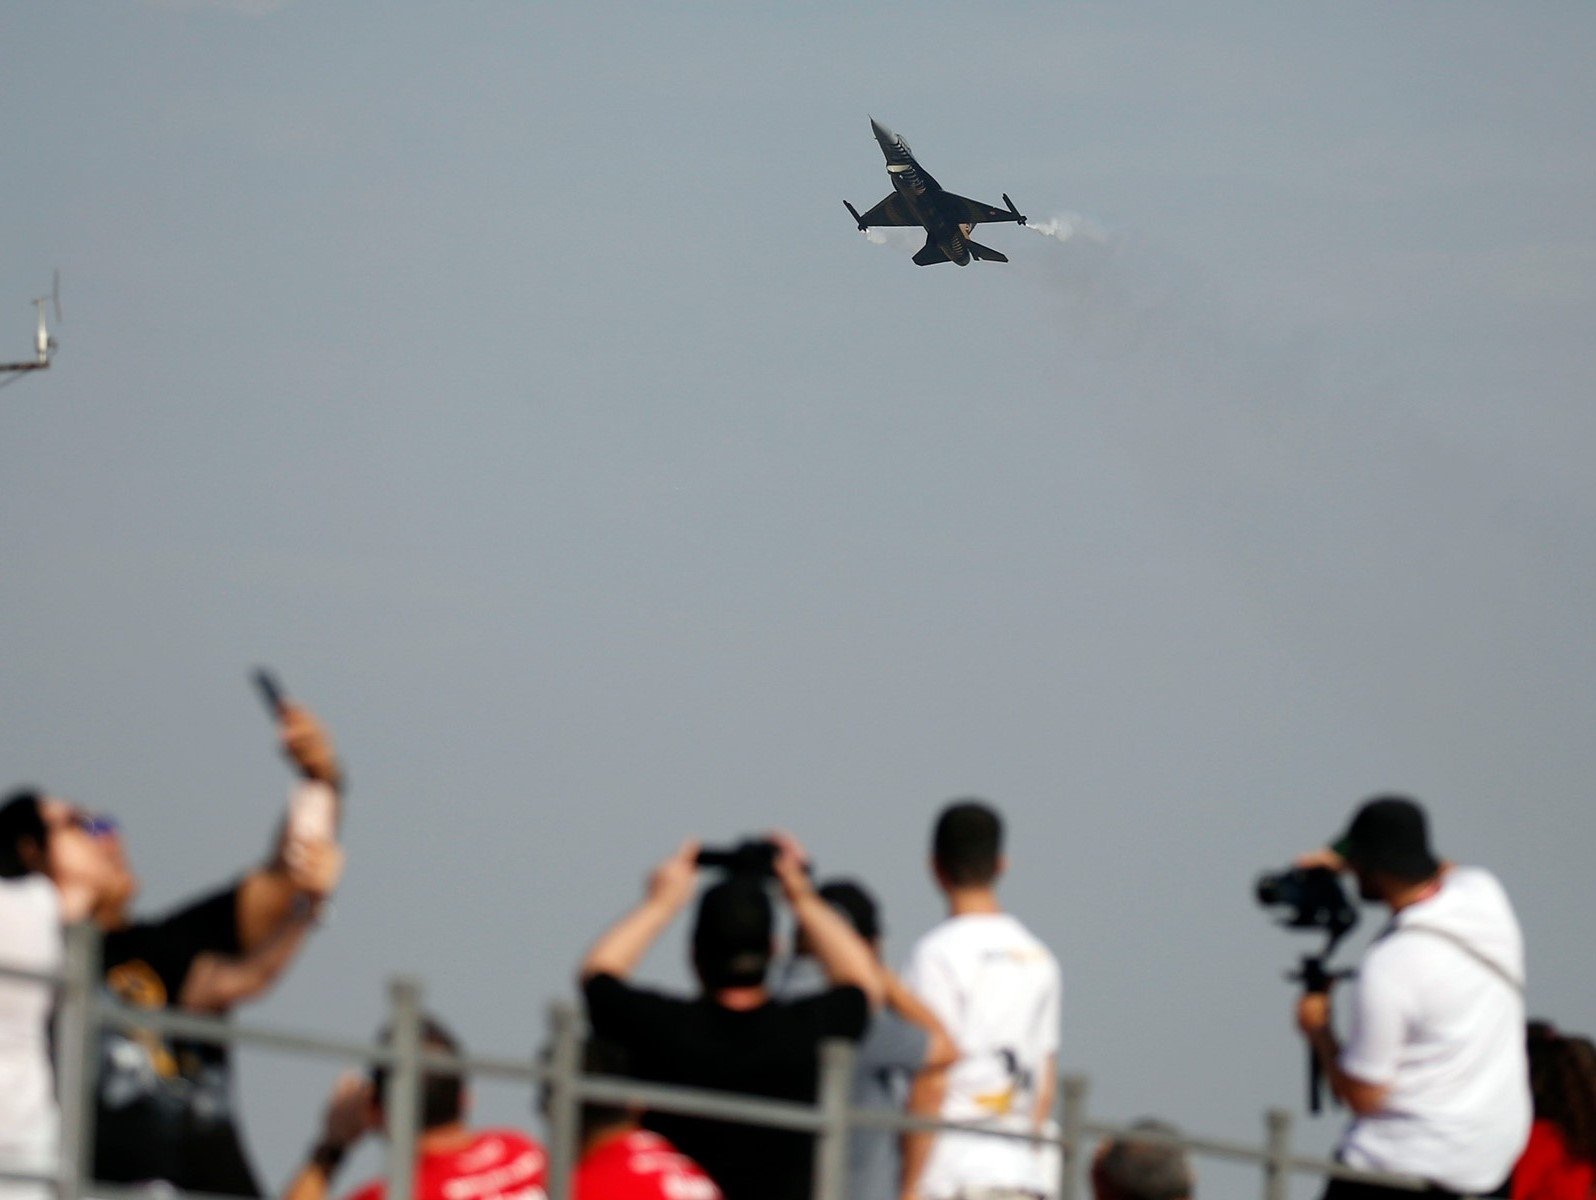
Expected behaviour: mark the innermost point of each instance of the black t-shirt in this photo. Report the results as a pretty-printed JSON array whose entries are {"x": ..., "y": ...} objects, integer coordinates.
[
  {"x": 770, "y": 1051},
  {"x": 165, "y": 1107}
]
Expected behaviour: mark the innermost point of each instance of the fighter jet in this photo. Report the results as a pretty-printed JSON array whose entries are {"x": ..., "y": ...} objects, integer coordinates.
[{"x": 917, "y": 199}]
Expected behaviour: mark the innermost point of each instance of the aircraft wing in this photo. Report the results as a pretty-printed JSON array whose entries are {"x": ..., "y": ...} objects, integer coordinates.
[
  {"x": 891, "y": 211},
  {"x": 973, "y": 212}
]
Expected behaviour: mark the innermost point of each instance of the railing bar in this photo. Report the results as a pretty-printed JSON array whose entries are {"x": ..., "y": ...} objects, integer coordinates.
[
  {"x": 1071, "y": 1106},
  {"x": 123, "y": 1191},
  {"x": 77, "y": 1052},
  {"x": 564, "y": 1103},
  {"x": 698, "y": 1102},
  {"x": 401, "y": 1100},
  {"x": 722, "y": 1106},
  {"x": 219, "y": 1032},
  {"x": 29, "y": 975},
  {"x": 832, "y": 1088},
  {"x": 19, "y": 1175}
]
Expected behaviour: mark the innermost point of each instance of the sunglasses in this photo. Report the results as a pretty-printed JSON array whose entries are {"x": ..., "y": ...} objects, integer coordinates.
[{"x": 94, "y": 824}]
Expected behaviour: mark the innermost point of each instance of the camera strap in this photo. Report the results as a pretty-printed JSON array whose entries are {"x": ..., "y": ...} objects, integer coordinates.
[{"x": 1483, "y": 959}]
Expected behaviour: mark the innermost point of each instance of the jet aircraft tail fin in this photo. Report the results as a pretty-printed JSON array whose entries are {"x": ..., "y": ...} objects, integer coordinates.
[
  {"x": 930, "y": 254},
  {"x": 984, "y": 253}
]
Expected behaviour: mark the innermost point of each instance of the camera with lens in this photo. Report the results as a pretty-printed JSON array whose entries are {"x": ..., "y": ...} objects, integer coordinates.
[
  {"x": 1312, "y": 896},
  {"x": 1314, "y": 900},
  {"x": 754, "y": 858}
]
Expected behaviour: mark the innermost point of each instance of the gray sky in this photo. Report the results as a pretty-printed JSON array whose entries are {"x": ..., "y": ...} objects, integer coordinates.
[{"x": 510, "y": 377}]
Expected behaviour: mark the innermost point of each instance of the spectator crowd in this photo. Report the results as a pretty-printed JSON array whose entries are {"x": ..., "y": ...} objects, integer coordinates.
[{"x": 1444, "y": 1079}]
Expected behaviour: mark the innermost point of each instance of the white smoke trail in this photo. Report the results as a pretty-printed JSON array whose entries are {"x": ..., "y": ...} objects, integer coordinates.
[
  {"x": 1069, "y": 226},
  {"x": 904, "y": 239}
]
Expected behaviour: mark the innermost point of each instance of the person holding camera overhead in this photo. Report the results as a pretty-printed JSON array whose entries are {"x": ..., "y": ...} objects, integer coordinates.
[
  {"x": 1434, "y": 1066},
  {"x": 733, "y": 1036}
]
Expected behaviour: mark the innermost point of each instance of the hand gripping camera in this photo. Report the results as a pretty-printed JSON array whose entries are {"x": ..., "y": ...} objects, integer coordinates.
[{"x": 1313, "y": 900}]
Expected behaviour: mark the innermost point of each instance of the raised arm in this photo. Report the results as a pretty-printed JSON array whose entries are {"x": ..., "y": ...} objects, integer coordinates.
[
  {"x": 349, "y": 1116},
  {"x": 267, "y": 896},
  {"x": 845, "y": 957},
  {"x": 216, "y": 982},
  {"x": 622, "y": 946}
]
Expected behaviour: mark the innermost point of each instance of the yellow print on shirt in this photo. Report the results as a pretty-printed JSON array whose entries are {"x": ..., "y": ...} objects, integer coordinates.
[{"x": 135, "y": 983}]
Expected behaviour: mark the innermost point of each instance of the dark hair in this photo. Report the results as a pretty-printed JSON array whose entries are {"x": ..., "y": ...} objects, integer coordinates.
[
  {"x": 967, "y": 843},
  {"x": 1562, "y": 1072},
  {"x": 854, "y": 902},
  {"x": 732, "y": 932},
  {"x": 20, "y": 823},
  {"x": 601, "y": 1057},
  {"x": 1136, "y": 1168},
  {"x": 442, "y": 1094}
]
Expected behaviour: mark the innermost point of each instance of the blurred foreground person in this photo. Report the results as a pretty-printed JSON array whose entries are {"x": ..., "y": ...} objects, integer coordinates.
[
  {"x": 453, "y": 1161},
  {"x": 1133, "y": 1168},
  {"x": 620, "y": 1160},
  {"x": 996, "y": 989},
  {"x": 1434, "y": 1070},
  {"x": 901, "y": 1059},
  {"x": 733, "y": 1036},
  {"x": 30, "y": 940},
  {"x": 1560, "y": 1161},
  {"x": 164, "y": 1106}
]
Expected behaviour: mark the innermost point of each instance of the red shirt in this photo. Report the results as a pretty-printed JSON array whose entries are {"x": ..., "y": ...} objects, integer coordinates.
[
  {"x": 498, "y": 1164},
  {"x": 1547, "y": 1171},
  {"x": 641, "y": 1166}
]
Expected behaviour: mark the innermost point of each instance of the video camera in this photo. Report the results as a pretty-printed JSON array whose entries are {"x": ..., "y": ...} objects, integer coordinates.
[
  {"x": 1314, "y": 897},
  {"x": 1314, "y": 900}
]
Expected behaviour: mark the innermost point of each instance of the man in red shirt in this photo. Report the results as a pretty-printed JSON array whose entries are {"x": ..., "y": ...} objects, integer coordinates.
[
  {"x": 451, "y": 1160},
  {"x": 621, "y": 1160}
]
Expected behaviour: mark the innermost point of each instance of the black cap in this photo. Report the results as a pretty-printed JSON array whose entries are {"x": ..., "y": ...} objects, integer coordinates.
[
  {"x": 1389, "y": 834},
  {"x": 731, "y": 937},
  {"x": 858, "y": 905}
]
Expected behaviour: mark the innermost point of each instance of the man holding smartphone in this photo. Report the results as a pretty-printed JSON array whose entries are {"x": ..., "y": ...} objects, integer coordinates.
[{"x": 164, "y": 1105}]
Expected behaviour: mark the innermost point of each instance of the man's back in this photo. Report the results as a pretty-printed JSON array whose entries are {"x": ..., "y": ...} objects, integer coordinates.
[
  {"x": 997, "y": 990},
  {"x": 1438, "y": 1020},
  {"x": 770, "y": 1051},
  {"x": 496, "y": 1164}
]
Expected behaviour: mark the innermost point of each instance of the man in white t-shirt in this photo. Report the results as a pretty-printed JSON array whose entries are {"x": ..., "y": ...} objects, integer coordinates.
[
  {"x": 996, "y": 989},
  {"x": 1434, "y": 1065},
  {"x": 30, "y": 939}
]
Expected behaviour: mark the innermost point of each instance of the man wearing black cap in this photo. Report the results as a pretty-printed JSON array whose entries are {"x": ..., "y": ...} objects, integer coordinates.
[
  {"x": 1434, "y": 1068},
  {"x": 733, "y": 1036}
]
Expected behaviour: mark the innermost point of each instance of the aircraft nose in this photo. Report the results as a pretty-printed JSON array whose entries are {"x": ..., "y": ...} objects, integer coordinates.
[{"x": 883, "y": 135}]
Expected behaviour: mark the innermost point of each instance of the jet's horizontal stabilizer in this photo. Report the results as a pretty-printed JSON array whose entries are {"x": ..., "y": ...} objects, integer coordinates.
[
  {"x": 984, "y": 253},
  {"x": 930, "y": 254}
]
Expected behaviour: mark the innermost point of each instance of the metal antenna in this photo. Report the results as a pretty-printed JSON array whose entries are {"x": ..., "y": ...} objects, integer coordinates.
[{"x": 44, "y": 343}]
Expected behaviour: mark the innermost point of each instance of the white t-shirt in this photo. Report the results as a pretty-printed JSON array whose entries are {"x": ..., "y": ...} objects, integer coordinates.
[
  {"x": 1445, "y": 1033},
  {"x": 30, "y": 938},
  {"x": 997, "y": 991}
]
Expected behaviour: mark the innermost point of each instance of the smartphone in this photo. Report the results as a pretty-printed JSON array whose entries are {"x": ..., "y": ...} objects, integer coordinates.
[
  {"x": 271, "y": 692},
  {"x": 312, "y": 813}
]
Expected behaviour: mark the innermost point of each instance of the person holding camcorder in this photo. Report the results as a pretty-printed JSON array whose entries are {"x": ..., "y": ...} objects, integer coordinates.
[
  {"x": 733, "y": 1036},
  {"x": 1433, "y": 1067}
]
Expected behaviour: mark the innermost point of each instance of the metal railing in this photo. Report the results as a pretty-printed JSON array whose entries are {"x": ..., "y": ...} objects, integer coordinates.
[{"x": 85, "y": 1009}]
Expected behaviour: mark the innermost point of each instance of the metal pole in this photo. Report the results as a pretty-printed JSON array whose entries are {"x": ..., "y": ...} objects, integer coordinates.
[
  {"x": 1072, "y": 1123},
  {"x": 401, "y": 1100},
  {"x": 565, "y": 1100},
  {"x": 1276, "y": 1175},
  {"x": 831, "y": 1143},
  {"x": 77, "y": 1045}
]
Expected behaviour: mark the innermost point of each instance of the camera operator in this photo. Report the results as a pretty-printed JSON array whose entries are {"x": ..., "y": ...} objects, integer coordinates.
[
  {"x": 733, "y": 1036},
  {"x": 1434, "y": 1067}
]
